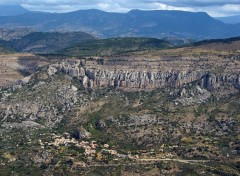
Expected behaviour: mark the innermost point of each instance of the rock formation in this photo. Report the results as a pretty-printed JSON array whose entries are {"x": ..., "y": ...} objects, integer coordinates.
[{"x": 143, "y": 79}]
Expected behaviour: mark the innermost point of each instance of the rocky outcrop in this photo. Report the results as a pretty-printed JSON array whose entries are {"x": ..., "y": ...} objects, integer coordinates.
[
  {"x": 132, "y": 79},
  {"x": 194, "y": 95},
  {"x": 45, "y": 103}
]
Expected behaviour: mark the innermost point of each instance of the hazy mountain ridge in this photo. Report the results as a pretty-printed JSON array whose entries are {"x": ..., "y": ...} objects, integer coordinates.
[
  {"x": 136, "y": 23},
  {"x": 230, "y": 19},
  {"x": 47, "y": 42}
]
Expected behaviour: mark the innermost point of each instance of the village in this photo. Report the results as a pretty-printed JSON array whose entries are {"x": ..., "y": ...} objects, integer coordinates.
[{"x": 104, "y": 153}]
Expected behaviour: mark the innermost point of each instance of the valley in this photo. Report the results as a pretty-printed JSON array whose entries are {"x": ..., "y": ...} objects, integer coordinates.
[{"x": 143, "y": 112}]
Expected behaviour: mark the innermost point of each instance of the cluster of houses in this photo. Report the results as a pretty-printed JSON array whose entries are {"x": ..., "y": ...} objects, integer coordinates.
[{"x": 91, "y": 148}]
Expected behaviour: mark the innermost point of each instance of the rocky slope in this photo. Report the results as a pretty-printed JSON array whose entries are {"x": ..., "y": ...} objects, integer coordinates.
[
  {"x": 61, "y": 95},
  {"x": 14, "y": 67},
  {"x": 8, "y": 34}
]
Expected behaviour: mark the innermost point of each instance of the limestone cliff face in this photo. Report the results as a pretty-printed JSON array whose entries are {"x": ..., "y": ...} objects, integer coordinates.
[
  {"x": 212, "y": 81},
  {"x": 132, "y": 79}
]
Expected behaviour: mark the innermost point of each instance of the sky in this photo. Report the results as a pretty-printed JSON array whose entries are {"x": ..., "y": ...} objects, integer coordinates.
[{"x": 215, "y": 8}]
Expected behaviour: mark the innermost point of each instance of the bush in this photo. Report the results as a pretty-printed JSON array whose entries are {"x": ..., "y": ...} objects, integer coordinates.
[{"x": 186, "y": 139}]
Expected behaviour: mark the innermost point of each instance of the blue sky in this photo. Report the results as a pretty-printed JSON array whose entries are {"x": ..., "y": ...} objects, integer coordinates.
[{"x": 212, "y": 7}]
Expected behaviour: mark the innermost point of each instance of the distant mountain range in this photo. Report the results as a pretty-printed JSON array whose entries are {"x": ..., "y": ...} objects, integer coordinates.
[
  {"x": 12, "y": 10},
  {"x": 136, "y": 23},
  {"x": 230, "y": 20}
]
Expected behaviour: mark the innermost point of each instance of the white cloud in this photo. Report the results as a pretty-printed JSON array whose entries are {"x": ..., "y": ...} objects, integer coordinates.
[
  {"x": 231, "y": 7},
  {"x": 161, "y": 6},
  {"x": 196, "y": 3}
]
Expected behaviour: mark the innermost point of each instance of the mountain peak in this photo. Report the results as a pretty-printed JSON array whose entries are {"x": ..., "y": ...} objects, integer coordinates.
[{"x": 12, "y": 10}]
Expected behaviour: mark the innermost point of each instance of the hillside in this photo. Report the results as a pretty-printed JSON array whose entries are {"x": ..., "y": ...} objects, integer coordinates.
[
  {"x": 47, "y": 42},
  {"x": 136, "y": 23},
  {"x": 6, "y": 50},
  {"x": 15, "y": 66},
  {"x": 114, "y": 46},
  {"x": 229, "y": 44},
  {"x": 13, "y": 33}
]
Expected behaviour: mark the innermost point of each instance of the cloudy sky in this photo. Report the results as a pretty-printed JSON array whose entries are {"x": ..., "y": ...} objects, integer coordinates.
[{"x": 212, "y": 7}]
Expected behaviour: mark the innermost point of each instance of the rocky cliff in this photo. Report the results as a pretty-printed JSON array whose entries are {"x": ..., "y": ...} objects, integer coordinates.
[{"x": 141, "y": 79}]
